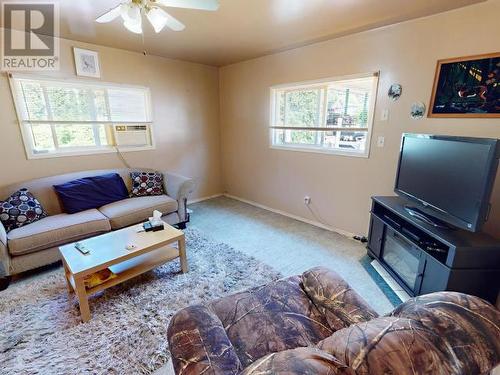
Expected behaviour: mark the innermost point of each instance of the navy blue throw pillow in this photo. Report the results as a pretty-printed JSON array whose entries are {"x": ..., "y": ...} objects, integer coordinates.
[{"x": 91, "y": 192}]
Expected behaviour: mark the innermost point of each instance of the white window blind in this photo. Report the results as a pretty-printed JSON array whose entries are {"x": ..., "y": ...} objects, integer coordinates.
[
  {"x": 62, "y": 117},
  {"x": 332, "y": 115},
  {"x": 129, "y": 105}
]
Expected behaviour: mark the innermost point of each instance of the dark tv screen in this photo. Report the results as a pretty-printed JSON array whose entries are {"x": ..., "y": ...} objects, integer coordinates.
[{"x": 453, "y": 176}]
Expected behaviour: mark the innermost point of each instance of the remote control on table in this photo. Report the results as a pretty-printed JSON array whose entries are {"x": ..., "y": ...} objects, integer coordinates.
[{"x": 82, "y": 248}]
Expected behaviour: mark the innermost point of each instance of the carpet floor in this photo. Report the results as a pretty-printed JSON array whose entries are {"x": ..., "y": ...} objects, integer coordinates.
[
  {"x": 41, "y": 332},
  {"x": 287, "y": 245}
]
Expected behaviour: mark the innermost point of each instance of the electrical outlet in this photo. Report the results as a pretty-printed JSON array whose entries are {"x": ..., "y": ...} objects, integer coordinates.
[
  {"x": 307, "y": 200},
  {"x": 380, "y": 141},
  {"x": 385, "y": 115}
]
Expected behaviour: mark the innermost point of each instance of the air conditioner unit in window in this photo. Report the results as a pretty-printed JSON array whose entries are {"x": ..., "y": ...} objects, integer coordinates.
[{"x": 132, "y": 135}]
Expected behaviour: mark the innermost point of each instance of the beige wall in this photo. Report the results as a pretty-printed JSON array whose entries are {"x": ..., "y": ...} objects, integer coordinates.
[
  {"x": 341, "y": 187},
  {"x": 186, "y": 111},
  {"x": 186, "y": 120}
]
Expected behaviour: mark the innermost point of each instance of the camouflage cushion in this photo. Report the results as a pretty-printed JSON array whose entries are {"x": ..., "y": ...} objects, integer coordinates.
[
  {"x": 391, "y": 346},
  {"x": 298, "y": 361},
  {"x": 335, "y": 299},
  {"x": 468, "y": 324},
  {"x": 439, "y": 333},
  {"x": 270, "y": 319}
]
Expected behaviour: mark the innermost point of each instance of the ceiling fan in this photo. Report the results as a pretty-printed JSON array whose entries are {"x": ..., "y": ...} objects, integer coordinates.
[{"x": 131, "y": 13}]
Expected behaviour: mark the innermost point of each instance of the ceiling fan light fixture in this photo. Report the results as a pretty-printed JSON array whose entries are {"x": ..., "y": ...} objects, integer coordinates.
[
  {"x": 130, "y": 13},
  {"x": 157, "y": 18}
]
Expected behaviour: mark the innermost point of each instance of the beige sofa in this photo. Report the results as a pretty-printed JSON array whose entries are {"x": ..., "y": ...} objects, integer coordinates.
[{"x": 36, "y": 244}]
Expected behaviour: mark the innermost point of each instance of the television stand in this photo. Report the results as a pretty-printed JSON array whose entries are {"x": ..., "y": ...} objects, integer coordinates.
[
  {"x": 427, "y": 219},
  {"x": 424, "y": 258}
]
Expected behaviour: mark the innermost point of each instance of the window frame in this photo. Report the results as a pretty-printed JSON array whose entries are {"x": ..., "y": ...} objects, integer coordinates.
[
  {"x": 321, "y": 84},
  {"x": 25, "y": 127}
]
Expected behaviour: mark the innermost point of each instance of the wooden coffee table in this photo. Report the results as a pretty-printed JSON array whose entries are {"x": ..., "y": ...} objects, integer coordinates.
[{"x": 110, "y": 251}]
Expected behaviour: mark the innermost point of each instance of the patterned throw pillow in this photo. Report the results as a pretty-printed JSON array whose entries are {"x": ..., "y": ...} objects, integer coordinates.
[
  {"x": 146, "y": 183},
  {"x": 21, "y": 208}
]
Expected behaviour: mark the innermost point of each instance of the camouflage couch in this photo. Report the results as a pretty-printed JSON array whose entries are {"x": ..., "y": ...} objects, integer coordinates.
[{"x": 316, "y": 324}]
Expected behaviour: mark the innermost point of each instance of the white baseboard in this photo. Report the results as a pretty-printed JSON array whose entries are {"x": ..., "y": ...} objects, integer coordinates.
[
  {"x": 295, "y": 217},
  {"x": 280, "y": 212},
  {"x": 204, "y": 198}
]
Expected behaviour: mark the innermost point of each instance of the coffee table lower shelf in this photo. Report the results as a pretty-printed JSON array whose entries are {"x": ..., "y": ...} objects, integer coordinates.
[{"x": 128, "y": 270}]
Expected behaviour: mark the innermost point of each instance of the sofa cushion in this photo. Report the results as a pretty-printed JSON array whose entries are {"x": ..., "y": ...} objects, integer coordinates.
[
  {"x": 471, "y": 326},
  {"x": 393, "y": 346},
  {"x": 56, "y": 230},
  {"x": 20, "y": 209},
  {"x": 91, "y": 192},
  {"x": 269, "y": 319},
  {"x": 298, "y": 361},
  {"x": 146, "y": 183},
  {"x": 135, "y": 210}
]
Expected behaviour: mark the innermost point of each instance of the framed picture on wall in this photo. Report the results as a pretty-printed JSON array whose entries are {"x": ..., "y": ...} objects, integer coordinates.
[
  {"x": 467, "y": 87},
  {"x": 87, "y": 63}
]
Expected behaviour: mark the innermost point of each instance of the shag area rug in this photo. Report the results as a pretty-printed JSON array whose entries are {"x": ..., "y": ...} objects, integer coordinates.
[{"x": 41, "y": 331}]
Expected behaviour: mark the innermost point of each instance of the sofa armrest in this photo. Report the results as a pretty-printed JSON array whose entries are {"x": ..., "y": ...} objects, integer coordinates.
[
  {"x": 4, "y": 253},
  {"x": 199, "y": 344},
  {"x": 179, "y": 188},
  {"x": 3, "y": 234},
  {"x": 336, "y": 300},
  {"x": 469, "y": 324}
]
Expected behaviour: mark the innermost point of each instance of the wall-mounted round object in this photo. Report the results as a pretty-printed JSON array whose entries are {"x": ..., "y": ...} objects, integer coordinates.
[
  {"x": 395, "y": 91},
  {"x": 417, "y": 110}
]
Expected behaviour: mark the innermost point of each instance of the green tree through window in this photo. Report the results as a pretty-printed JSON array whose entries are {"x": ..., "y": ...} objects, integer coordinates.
[{"x": 337, "y": 113}]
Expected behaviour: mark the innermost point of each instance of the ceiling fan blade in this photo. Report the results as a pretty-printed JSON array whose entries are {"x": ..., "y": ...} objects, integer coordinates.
[
  {"x": 211, "y": 5},
  {"x": 133, "y": 24},
  {"x": 159, "y": 19},
  {"x": 130, "y": 13},
  {"x": 110, "y": 15},
  {"x": 174, "y": 23},
  {"x": 134, "y": 27}
]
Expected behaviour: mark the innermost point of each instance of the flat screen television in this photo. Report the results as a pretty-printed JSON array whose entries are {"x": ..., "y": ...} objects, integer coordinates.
[{"x": 450, "y": 179}]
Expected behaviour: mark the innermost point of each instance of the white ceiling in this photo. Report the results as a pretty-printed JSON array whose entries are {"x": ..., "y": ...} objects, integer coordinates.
[{"x": 243, "y": 29}]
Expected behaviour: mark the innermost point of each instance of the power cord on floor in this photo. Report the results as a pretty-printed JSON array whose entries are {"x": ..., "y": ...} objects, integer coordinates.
[
  {"x": 317, "y": 216},
  {"x": 361, "y": 239}
]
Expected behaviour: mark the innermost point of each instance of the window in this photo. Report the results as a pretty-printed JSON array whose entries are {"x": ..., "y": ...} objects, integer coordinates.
[
  {"x": 332, "y": 115},
  {"x": 63, "y": 117}
]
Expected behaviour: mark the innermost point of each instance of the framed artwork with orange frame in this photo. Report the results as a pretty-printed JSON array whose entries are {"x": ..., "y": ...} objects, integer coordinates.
[{"x": 467, "y": 87}]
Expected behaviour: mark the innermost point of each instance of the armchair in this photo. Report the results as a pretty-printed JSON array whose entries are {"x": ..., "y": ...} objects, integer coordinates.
[{"x": 316, "y": 324}]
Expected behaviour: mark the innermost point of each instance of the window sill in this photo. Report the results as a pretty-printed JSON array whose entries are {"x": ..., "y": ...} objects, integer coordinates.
[
  {"x": 81, "y": 152},
  {"x": 315, "y": 150}
]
